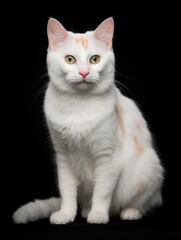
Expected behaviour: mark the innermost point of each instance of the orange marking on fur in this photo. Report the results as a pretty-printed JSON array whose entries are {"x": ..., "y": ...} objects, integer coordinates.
[
  {"x": 140, "y": 187},
  {"x": 138, "y": 127},
  {"x": 135, "y": 139},
  {"x": 83, "y": 41},
  {"x": 119, "y": 113},
  {"x": 140, "y": 147}
]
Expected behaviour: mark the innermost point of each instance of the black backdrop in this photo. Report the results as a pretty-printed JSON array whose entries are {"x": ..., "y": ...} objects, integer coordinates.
[{"x": 145, "y": 45}]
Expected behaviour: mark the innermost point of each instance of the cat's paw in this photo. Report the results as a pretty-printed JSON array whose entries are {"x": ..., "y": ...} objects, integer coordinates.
[
  {"x": 97, "y": 216},
  {"x": 61, "y": 217},
  {"x": 130, "y": 214}
]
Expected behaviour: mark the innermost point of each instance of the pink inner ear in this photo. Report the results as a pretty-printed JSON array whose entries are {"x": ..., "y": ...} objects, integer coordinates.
[
  {"x": 104, "y": 32},
  {"x": 56, "y": 33}
]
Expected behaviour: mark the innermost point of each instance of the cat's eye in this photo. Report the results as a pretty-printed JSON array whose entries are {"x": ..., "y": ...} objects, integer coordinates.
[
  {"x": 95, "y": 59},
  {"x": 70, "y": 59}
]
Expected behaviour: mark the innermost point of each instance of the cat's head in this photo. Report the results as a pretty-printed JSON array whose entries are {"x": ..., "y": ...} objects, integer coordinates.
[{"x": 81, "y": 63}]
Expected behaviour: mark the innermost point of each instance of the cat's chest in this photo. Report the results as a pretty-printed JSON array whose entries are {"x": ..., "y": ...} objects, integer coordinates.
[
  {"x": 74, "y": 121},
  {"x": 76, "y": 117}
]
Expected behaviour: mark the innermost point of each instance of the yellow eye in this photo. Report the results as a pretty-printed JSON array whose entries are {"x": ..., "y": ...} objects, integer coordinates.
[
  {"x": 95, "y": 59},
  {"x": 70, "y": 59}
]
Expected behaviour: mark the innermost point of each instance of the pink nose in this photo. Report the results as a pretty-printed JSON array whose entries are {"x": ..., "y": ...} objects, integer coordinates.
[{"x": 84, "y": 74}]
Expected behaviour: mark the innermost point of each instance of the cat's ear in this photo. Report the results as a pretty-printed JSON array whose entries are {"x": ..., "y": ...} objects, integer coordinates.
[
  {"x": 56, "y": 33},
  {"x": 104, "y": 32}
]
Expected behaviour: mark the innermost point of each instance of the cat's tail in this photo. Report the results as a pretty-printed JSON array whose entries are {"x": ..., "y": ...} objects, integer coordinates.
[{"x": 33, "y": 211}]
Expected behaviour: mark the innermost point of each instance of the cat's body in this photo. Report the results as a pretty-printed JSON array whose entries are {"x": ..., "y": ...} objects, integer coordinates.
[{"x": 104, "y": 153}]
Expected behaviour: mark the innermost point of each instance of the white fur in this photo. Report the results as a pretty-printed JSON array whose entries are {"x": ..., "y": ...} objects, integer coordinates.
[{"x": 98, "y": 160}]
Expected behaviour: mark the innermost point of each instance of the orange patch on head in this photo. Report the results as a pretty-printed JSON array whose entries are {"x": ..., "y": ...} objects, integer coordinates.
[
  {"x": 119, "y": 114},
  {"x": 82, "y": 41}
]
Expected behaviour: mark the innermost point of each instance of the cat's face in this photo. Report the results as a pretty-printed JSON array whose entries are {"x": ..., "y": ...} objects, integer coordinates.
[{"x": 81, "y": 62}]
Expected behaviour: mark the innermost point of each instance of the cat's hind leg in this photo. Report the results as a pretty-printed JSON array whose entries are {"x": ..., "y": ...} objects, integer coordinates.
[
  {"x": 130, "y": 214},
  {"x": 139, "y": 188},
  {"x": 140, "y": 206}
]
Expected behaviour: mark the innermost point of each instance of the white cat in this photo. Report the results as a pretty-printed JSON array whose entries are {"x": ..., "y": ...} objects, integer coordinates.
[{"x": 104, "y": 153}]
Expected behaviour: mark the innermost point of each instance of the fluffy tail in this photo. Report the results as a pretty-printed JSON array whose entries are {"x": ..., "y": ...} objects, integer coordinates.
[{"x": 33, "y": 211}]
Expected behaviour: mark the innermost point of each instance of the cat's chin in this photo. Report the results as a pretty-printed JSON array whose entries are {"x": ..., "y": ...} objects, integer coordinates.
[{"x": 83, "y": 85}]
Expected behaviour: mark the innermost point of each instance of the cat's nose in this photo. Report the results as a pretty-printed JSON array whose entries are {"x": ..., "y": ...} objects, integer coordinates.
[{"x": 84, "y": 74}]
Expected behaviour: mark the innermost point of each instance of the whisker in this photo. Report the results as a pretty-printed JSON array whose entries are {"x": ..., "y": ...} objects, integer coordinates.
[
  {"x": 117, "y": 73},
  {"x": 39, "y": 79},
  {"x": 122, "y": 85},
  {"x": 40, "y": 91},
  {"x": 43, "y": 76},
  {"x": 102, "y": 82}
]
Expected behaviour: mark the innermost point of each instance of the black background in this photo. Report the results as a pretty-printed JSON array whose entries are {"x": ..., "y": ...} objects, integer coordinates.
[{"x": 146, "y": 49}]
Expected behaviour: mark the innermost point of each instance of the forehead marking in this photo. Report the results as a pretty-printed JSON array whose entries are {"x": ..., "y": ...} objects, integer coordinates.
[{"x": 83, "y": 41}]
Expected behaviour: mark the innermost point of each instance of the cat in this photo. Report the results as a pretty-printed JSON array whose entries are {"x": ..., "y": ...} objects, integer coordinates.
[{"x": 105, "y": 158}]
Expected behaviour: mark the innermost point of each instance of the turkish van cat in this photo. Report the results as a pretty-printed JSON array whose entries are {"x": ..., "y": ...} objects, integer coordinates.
[{"x": 105, "y": 159}]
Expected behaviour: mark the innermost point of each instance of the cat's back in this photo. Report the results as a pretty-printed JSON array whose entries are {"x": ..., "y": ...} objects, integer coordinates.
[{"x": 132, "y": 120}]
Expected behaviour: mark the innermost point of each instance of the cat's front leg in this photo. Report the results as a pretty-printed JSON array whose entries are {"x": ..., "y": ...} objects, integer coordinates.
[
  {"x": 106, "y": 178},
  {"x": 68, "y": 192}
]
